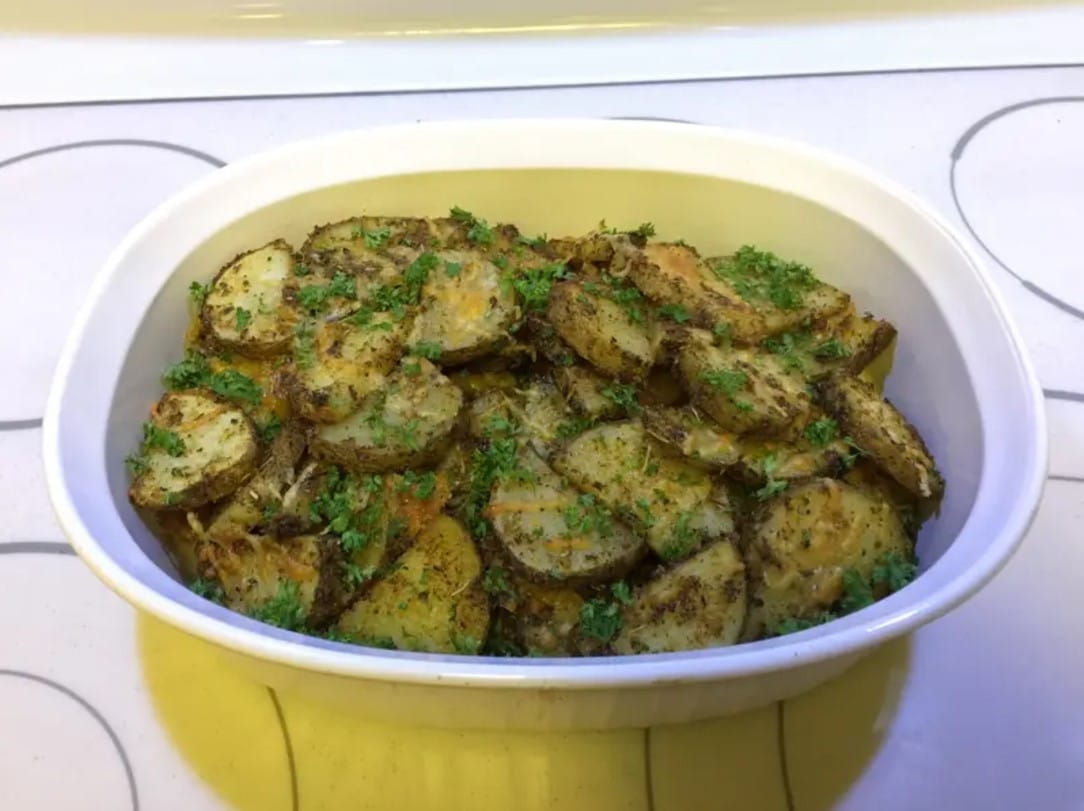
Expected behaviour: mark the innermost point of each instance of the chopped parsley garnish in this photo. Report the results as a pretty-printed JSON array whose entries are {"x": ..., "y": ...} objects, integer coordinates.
[
  {"x": 644, "y": 231},
  {"x": 304, "y": 345},
  {"x": 857, "y": 593},
  {"x": 190, "y": 373},
  {"x": 314, "y": 297},
  {"x": 682, "y": 540},
  {"x": 424, "y": 484},
  {"x": 284, "y": 610},
  {"x": 301, "y": 269},
  {"x": 233, "y": 385},
  {"x": 760, "y": 276},
  {"x": 534, "y": 285},
  {"x": 787, "y": 346},
  {"x": 452, "y": 269},
  {"x": 197, "y": 293},
  {"x": 495, "y": 582},
  {"x": 721, "y": 333},
  {"x": 376, "y": 238},
  {"x": 792, "y": 625},
  {"x": 893, "y": 571},
  {"x": 243, "y": 317},
  {"x": 494, "y": 461},
  {"x": 574, "y": 427},
  {"x": 675, "y": 312},
  {"x": 832, "y": 349},
  {"x": 856, "y": 452},
  {"x": 538, "y": 242},
  {"x": 729, "y": 382},
  {"x": 479, "y": 232},
  {"x": 600, "y": 619},
  {"x": 588, "y": 516},
  {"x": 772, "y": 486},
  {"x": 430, "y": 350},
  {"x": 821, "y": 432},
  {"x": 356, "y": 575},
  {"x": 623, "y": 396},
  {"x": 626, "y": 296},
  {"x": 466, "y": 644},
  {"x": 155, "y": 437},
  {"x": 269, "y": 429},
  {"x": 136, "y": 464},
  {"x": 621, "y": 592},
  {"x": 207, "y": 589}
]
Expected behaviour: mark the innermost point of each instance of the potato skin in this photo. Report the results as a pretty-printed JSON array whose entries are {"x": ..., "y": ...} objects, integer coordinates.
[
  {"x": 882, "y": 432},
  {"x": 699, "y": 603},
  {"x": 600, "y": 332},
  {"x": 220, "y": 453},
  {"x": 431, "y": 601}
]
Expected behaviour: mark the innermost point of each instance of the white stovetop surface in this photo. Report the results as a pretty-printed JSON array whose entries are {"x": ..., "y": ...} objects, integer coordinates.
[{"x": 984, "y": 709}]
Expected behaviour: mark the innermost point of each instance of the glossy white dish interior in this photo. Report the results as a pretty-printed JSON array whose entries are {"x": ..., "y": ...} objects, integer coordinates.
[{"x": 960, "y": 375}]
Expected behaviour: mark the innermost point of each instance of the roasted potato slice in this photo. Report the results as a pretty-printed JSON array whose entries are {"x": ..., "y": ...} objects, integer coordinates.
[
  {"x": 742, "y": 390},
  {"x": 664, "y": 498},
  {"x": 882, "y": 432},
  {"x": 431, "y": 601},
  {"x": 845, "y": 342},
  {"x": 538, "y": 411},
  {"x": 675, "y": 275},
  {"x": 465, "y": 310},
  {"x": 699, "y": 603},
  {"x": 547, "y": 619},
  {"x": 551, "y": 532},
  {"x": 295, "y": 583},
  {"x": 805, "y": 539},
  {"x": 245, "y": 310},
  {"x": 685, "y": 431},
  {"x": 601, "y": 332},
  {"x": 196, "y": 449},
  {"x": 407, "y": 423},
  {"x": 343, "y": 363},
  {"x": 262, "y": 496},
  {"x": 584, "y": 389}
]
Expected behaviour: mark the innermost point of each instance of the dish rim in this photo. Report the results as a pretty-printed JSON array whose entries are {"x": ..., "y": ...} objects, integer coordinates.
[{"x": 891, "y": 617}]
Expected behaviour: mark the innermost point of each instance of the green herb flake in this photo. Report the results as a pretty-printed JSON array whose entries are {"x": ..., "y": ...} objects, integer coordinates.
[
  {"x": 189, "y": 373},
  {"x": 587, "y": 515},
  {"x": 682, "y": 540},
  {"x": 832, "y": 349},
  {"x": 452, "y": 269},
  {"x": 771, "y": 486},
  {"x": 857, "y": 593},
  {"x": 466, "y": 644},
  {"x": 894, "y": 571},
  {"x": 233, "y": 385},
  {"x": 284, "y": 610},
  {"x": 600, "y": 619},
  {"x": 495, "y": 582},
  {"x": 376, "y": 238},
  {"x": 623, "y": 396},
  {"x": 301, "y": 269},
  {"x": 674, "y": 312},
  {"x": 430, "y": 350},
  {"x": 207, "y": 589},
  {"x": 534, "y": 285},
  {"x": 155, "y": 437},
  {"x": 760, "y": 276},
  {"x": 304, "y": 345},
  {"x": 621, "y": 592},
  {"x": 821, "y": 432},
  {"x": 197, "y": 293},
  {"x": 243, "y": 318}
]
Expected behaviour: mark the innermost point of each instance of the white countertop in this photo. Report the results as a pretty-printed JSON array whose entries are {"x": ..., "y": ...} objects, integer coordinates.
[{"x": 982, "y": 709}]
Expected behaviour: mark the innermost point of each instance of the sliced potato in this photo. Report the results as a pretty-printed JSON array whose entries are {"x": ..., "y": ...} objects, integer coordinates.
[
  {"x": 699, "y": 603},
  {"x": 408, "y": 423},
  {"x": 344, "y": 364},
  {"x": 547, "y": 619},
  {"x": 883, "y": 433},
  {"x": 803, "y": 541},
  {"x": 688, "y": 433},
  {"x": 206, "y": 449},
  {"x": 551, "y": 532},
  {"x": 664, "y": 498},
  {"x": 538, "y": 411},
  {"x": 601, "y": 332},
  {"x": 465, "y": 310},
  {"x": 262, "y": 496},
  {"x": 675, "y": 275},
  {"x": 291, "y": 582},
  {"x": 744, "y": 391},
  {"x": 245, "y": 310},
  {"x": 432, "y": 600},
  {"x": 583, "y": 389},
  {"x": 846, "y": 342}
]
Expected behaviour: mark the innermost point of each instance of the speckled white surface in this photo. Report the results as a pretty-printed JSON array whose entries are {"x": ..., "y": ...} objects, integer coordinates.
[{"x": 983, "y": 709}]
